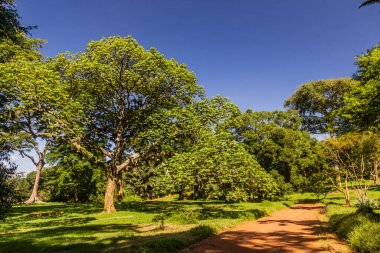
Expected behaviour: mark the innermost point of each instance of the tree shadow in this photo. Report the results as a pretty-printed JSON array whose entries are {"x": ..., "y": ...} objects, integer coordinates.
[
  {"x": 55, "y": 241},
  {"x": 77, "y": 208}
]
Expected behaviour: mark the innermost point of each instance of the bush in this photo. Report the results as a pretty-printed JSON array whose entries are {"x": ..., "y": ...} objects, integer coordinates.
[
  {"x": 365, "y": 237},
  {"x": 360, "y": 229},
  {"x": 237, "y": 195},
  {"x": 365, "y": 205}
]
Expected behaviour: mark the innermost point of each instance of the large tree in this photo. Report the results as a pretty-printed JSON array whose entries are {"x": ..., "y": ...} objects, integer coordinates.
[
  {"x": 318, "y": 101},
  {"x": 118, "y": 85},
  {"x": 362, "y": 107},
  {"x": 354, "y": 153},
  {"x": 30, "y": 88}
]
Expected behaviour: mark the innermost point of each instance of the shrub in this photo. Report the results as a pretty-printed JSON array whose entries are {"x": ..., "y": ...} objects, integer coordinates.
[
  {"x": 360, "y": 229},
  {"x": 365, "y": 237},
  {"x": 365, "y": 205},
  {"x": 237, "y": 195}
]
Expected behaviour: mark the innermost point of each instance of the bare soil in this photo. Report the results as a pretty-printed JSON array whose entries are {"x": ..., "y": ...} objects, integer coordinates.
[{"x": 300, "y": 228}]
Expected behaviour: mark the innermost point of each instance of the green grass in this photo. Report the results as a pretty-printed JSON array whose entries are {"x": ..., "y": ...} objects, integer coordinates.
[
  {"x": 360, "y": 229},
  {"x": 84, "y": 228}
]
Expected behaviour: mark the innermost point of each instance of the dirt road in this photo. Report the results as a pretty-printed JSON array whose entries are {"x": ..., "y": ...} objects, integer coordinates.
[{"x": 291, "y": 230}]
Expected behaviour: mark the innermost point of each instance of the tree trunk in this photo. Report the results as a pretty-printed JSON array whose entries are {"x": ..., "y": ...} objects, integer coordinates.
[
  {"x": 109, "y": 205},
  {"x": 347, "y": 192},
  {"x": 119, "y": 183},
  {"x": 337, "y": 178},
  {"x": 376, "y": 173},
  {"x": 34, "y": 197}
]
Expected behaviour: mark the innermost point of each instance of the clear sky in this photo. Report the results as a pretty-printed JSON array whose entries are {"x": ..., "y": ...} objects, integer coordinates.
[{"x": 254, "y": 52}]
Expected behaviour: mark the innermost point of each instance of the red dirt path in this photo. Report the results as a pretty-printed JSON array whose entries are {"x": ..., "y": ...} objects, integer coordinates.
[{"x": 291, "y": 230}]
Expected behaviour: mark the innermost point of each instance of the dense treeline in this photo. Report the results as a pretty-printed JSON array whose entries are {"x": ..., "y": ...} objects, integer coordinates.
[{"x": 118, "y": 120}]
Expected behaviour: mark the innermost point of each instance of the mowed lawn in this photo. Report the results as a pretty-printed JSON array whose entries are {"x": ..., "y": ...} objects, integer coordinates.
[{"x": 151, "y": 226}]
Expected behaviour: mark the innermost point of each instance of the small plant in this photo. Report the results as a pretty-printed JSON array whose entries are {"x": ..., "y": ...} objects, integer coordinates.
[
  {"x": 365, "y": 205},
  {"x": 160, "y": 218}
]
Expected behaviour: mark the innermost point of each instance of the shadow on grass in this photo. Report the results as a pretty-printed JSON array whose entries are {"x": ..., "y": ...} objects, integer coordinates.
[
  {"x": 202, "y": 210},
  {"x": 54, "y": 240},
  {"x": 55, "y": 207}
]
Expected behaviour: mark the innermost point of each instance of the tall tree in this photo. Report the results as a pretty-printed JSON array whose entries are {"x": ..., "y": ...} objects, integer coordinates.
[
  {"x": 354, "y": 153},
  {"x": 362, "y": 107},
  {"x": 27, "y": 86},
  {"x": 118, "y": 85},
  {"x": 317, "y": 103}
]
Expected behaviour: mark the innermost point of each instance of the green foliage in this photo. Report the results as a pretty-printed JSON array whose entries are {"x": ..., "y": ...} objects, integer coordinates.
[
  {"x": 206, "y": 162},
  {"x": 354, "y": 153},
  {"x": 317, "y": 103},
  {"x": 278, "y": 144},
  {"x": 284, "y": 187},
  {"x": 7, "y": 170},
  {"x": 10, "y": 26},
  {"x": 360, "y": 229},
  {"x": 115, "y": 85},
  {"x": 21, "y": 187},
  {"x": 319, "y": 184},
  {"x": 218, "y": 167},
  {"x": 365, "y": 205},
  {"x": 362, "y": 107}
]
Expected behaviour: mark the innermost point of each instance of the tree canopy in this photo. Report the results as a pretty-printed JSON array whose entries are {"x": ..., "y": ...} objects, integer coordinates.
[
  {"x": 317, "y": 103},
  {"x": 362, "y": 107},
  {"x": 117, "y": 85}
]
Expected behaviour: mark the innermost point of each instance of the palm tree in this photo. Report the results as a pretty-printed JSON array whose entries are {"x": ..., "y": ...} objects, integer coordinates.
[{"x": 369, "y": 2}]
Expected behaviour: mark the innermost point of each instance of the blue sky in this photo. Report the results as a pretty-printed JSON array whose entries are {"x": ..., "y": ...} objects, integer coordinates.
[{"x": 254, "y": 52}]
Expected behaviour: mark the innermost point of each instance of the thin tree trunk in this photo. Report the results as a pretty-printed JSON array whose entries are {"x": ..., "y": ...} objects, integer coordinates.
[
  {"x": 347, "y": 192},
  {"x": 375, "y": 172},
  {"x": 34, "y": 197},
  {"x": 109, "y": 205},
  {"x": 338, "y": 178}
]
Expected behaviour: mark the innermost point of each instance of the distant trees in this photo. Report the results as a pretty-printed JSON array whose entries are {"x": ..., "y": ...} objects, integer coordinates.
[
  {"x": 280, "y": 147},
  {"x": 347, "y": 110},
  {"x": 7, "y": 170},
  {"x": 219, "y": 168},
  {"x": 208, "y": 162},
  {"x": 71, "y": 176}
]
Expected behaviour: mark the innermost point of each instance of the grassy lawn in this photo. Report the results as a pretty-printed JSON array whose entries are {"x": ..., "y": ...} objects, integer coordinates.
[
  {"x": 163, "y": 226},
  {"x": 152, "y": 226}
]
